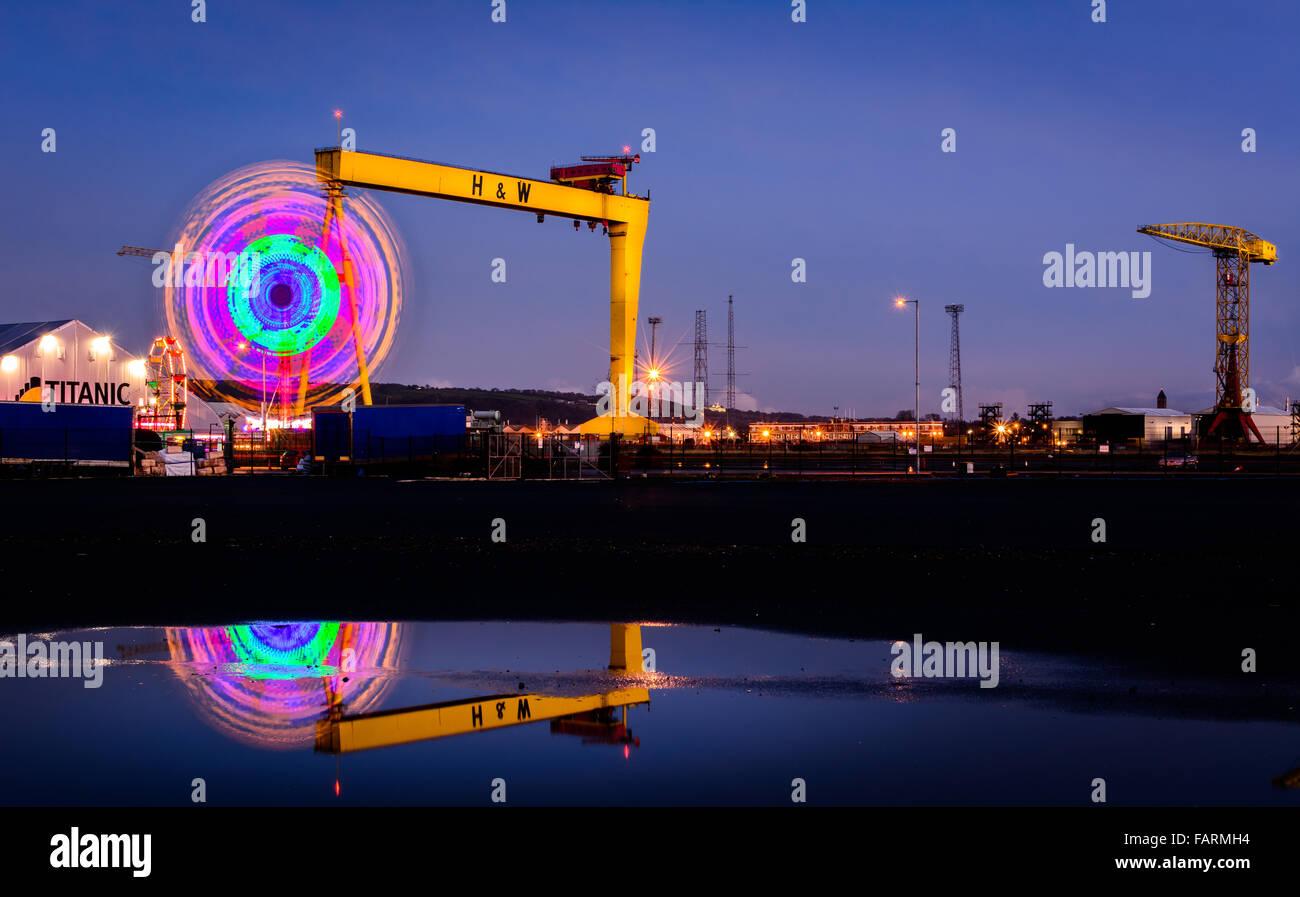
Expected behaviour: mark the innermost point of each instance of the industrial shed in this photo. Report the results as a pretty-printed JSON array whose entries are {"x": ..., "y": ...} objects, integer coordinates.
[
  {"x": 1274, "y": 423},
  {"x": 1147, "y": 424}
]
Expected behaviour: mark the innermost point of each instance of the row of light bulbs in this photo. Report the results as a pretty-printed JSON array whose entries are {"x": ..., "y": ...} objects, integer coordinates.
[{"x": 100, "y": 347}]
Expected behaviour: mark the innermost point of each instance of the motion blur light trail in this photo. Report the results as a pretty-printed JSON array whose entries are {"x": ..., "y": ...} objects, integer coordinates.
[
  {"x": 302, "y": 295},
  {"x": 266, "y": 684},
  {"x": 293, "y": 309},
  {"x": 282, "y": 650}
]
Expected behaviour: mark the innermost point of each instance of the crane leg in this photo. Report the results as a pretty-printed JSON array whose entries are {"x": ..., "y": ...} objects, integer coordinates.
[
  {"x": 1250, "y": 422},
  {"x": 304, "y": 373},
  {"x": 625, "y": 243},
  {"x": 349, "y": 280},
  {"x": 625, "y": 647}
]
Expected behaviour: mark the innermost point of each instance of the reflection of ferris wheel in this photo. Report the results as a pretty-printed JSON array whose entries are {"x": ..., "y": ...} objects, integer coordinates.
[
  {"x": 268, "y": 684},
  {"x": 167, "y": 387}
]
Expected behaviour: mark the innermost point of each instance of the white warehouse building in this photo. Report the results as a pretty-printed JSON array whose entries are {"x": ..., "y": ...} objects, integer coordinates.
[
  {"x": 81, "y": 365},
  {"x": 1147, "y": 424}
]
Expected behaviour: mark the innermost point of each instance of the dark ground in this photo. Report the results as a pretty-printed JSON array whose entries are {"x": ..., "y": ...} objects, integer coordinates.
[{"x": 1192, "y": 570}]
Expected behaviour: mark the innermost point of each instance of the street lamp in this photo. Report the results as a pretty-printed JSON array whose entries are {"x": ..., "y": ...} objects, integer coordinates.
[
  {"x": 242, "y": 348},
  {"x": 916, "y": 411}
]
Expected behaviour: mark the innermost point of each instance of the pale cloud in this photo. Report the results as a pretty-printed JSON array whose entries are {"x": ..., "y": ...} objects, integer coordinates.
[{"x": 563, "y": 386}]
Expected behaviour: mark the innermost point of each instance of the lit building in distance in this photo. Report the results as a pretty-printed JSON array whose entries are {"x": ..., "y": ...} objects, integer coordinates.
[
  {"x": 1147, "y": 424},
  {"x": 839, "y": 430}
]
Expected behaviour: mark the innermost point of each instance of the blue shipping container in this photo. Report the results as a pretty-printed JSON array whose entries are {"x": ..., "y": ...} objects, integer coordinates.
[
  {"x": 68, "y": 433},
  {"x": 388, "y": 432}
]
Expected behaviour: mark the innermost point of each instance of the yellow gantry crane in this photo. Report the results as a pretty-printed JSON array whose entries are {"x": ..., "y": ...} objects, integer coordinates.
[
  {"x": 1234, "y": 250},
  {"x": 341, "y": 733},
  {"x": 591, "y": 198}
]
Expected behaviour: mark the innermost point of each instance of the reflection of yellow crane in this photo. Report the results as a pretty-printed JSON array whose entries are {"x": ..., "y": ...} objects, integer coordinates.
[
  {"x": 1234, "y": 249},
  {"x": 388, "y": 727},
  {"x": 585, "y": 715},
  {"x": 623, "y": 215}
]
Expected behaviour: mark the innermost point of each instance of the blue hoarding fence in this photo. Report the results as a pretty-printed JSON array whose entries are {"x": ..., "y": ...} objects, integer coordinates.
[
  {"x": 381, "y": 433},
  {"x": 67, "y": 434}
]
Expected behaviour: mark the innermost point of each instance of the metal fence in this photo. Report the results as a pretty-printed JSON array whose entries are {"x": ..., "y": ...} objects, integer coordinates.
[
  {"x": 50, "y": 447},
  {"x": 261, "y": 451},
  {"x": 812, "y": 458},
  {"x": 514, "y": 456},
  {"x": 28, "y": 450}
]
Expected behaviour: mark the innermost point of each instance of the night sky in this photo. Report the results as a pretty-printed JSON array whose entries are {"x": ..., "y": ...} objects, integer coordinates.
[{"x": 775, "y": 140}]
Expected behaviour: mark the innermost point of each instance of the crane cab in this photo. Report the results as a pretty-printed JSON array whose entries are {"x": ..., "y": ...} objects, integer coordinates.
[
  {"x": 1261, "y": 251},
  {"x": 598, "y": 173}
]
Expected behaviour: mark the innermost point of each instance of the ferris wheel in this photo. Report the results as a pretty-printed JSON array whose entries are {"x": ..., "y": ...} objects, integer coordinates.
[
  {"x": 166, "y": 387},
  {"x": 285, "y": 300}
]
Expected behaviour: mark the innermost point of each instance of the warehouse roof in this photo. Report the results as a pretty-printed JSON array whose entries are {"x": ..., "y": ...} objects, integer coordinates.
[
  {"x": 1145, "y": 412},
  {"x": 14, "y": 336},
  {"x": 1262, "y": 409}
]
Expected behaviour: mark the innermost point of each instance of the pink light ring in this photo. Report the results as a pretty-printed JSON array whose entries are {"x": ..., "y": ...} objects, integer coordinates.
[
  {"x": 280, "y": 713},
  {"x": 283, "y": 198}
]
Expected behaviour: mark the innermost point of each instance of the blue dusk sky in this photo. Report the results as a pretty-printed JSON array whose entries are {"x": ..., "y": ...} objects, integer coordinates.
[{"x": 775, "y": 140}]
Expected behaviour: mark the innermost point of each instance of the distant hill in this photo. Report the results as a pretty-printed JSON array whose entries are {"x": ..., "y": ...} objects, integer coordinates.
[
  {"x": 525, "y": 406},
  {"x": 517, "y": 406}
]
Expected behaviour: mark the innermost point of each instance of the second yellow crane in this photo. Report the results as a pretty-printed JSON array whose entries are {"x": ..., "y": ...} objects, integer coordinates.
[{"x": 1234, "y": 250}]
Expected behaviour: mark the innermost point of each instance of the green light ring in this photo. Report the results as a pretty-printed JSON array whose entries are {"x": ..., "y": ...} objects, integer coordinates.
[
  {"x": 275, "y": 663},
  {"x": 278, "y": 255}
]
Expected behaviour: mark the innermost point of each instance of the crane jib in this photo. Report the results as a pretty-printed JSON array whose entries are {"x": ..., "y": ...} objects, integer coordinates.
[
  {"x": 401, "y": 175},
  {"x": 522, "y": 189},
  {"x": 1219, "y": 237}
]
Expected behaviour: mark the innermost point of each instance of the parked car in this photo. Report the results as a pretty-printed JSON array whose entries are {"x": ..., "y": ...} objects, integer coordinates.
[
  {"x": 1183, "y": 462},
  {"x": 289, "y": 460}
]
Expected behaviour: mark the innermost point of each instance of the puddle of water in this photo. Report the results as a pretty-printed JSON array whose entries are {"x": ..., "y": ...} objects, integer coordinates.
[{"x": 436, "y": 713}]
